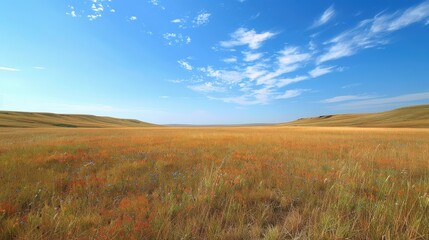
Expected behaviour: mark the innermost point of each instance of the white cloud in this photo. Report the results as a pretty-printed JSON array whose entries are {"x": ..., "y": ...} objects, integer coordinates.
[
  {"x": 381, "y": 101},
  {"x": 289, "y": 60},
  {"x": 243, "y": 36},
  {"x": 327, "y": 15},
  {"x": 291, "y": 55},
  {"x": 255, "y": 71},
  {"x": 164, "y": 97},
  {"x": 319, "y": 71},
  {"x": 133, "y": 18},
  {"x": 371, "y": 33},
  {"x": 291, "y": 93},
  {"x": 93, "y": 9},
  {"x": 286, "y": 81},
  {"x": 176, "y": 81},
  {"x": 352, "y": 85},
  {"x": 226, "y": 76},
  {"x": 72, "y": 11},
  {"x": 184, "y": 64},
  {"x": 255, "y": 96},
  {"x": 177, "y": 20},
  {"x": 201, "y": 19},
  {"x": 206, "y": 87},
  {"x": 250, "y": 57},
  {"x": 39, "y": 68},
  {"x": 255, "y": 16},
  {"x": 346, "y": 98},
  {"x": 230, "y": 60},
  {"x": 409, "y": 16},
  {"x": 97, "y": 8},
  {"x": 176, "y": 39},
  {"x": 9, "y": 69},
  {"x": 154, "y": 2}
]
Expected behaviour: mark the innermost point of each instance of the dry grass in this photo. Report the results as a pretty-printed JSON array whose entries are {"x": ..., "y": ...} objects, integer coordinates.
[
  {"x": 40, "y": 120},
  {"x": 214, "y": 183},
  {"x": 407, "y": 117}
]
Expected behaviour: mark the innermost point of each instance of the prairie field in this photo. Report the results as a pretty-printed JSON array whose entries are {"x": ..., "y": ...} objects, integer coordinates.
[{"x": 271, "y": 182}]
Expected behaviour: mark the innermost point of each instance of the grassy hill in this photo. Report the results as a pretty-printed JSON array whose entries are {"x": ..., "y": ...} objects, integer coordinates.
[
  {"x": 412, "y": 117},
  {"x": 35, "y": 120}
]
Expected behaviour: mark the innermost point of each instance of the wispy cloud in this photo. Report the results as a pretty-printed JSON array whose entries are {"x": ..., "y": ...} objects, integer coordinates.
[
  {"x": 206, "y": 87},
  {"x": 346, "y": 98},
  {"x": 286, "y": 81},
  {"x": 243, "y": 36},
  {"x": 177, "y": 20},
  {"x": 225, "y": 76},
  {"x": 260, "y": 77},
  {"x": 201, "y": 19},
  {"x": 176, "y": 81},
  {"x": 259, "y": 81},
  {"x": 97, "y": 8},
  {"x": 72, "y": 11},
  {"x": 371, "y": 33},
  {"x": 9, "y": 69},
  {"x": 176, "y": 39},
  {"x": 230, "y": 60},
  {"x": 351, "y": 85},
  {"x": 251, "y": 56},
  {"x": 291, "y": 55},
  {"x": 133, "y": 18},
  {"x": 291, "y": 93},
  {"x": 154, "y": 2},
  {"x": 327, "y": 15},
  {"x": 39, "y": 68},
  {"x": 184, "y": 64},
  {"x": 93, "y": 11},
  {"x": 319, "y": 71},
  {"x": 389, "y": 100}
]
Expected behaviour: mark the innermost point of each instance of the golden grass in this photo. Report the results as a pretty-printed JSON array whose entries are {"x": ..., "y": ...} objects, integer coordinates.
[
  {"x": 214, "y": 183},
  {"x": 36, "y": 120},
  {"x": 407, "y": 117}
]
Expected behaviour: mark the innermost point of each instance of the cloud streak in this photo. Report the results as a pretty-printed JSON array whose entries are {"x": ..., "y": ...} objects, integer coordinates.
[
  {"x": 346, "y": 98},
  {"x": 9, "y": 69},
  {"x": 389, "y": 100},
  {"x": 245, "y": 37},
  {"x": 371, "y": 33},
  {"x": 201, "y": 19},
  {"x": 327, "y": 15},
  {"x": 184, "y": 64}
]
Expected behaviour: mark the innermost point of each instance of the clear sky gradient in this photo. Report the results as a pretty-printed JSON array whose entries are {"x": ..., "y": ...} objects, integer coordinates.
[{"x": 213, "y": 62}]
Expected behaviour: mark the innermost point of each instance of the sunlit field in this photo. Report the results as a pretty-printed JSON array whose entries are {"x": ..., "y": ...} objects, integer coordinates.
[{"x": 214, "y": 183}]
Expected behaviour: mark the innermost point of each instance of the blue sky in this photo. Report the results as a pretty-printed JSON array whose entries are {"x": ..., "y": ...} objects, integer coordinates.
[{"x": 213, "y": 62}]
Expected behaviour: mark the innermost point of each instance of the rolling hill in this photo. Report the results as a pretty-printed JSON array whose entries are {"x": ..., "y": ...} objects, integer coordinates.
[
  {"x": 38, "y": 120},
  {"x": 407, "y": 117}
]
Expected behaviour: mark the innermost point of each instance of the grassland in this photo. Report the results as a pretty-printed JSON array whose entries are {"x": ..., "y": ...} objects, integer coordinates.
[
  {"x": 214, "y": 183},
  {"x": 407, "y": 117},
  {"x": 37, "y": 120}
]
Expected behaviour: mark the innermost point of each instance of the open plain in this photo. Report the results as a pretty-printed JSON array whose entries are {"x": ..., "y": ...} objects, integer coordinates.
[{"x": 270, "y": 182}]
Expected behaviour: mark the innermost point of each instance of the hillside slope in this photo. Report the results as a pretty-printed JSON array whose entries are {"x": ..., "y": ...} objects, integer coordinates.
[
  {"x": 34, "y": 120},
  {"x": 412, "y": 117}
]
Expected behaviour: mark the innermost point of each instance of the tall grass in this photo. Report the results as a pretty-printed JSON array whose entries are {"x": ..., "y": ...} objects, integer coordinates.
[{"x": 214, "y": 183}]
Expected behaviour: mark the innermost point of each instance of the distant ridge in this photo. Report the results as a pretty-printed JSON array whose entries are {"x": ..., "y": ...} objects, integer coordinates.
[
  {"x": 406, "y": 117},
  {"x": 40, "y": 120}
]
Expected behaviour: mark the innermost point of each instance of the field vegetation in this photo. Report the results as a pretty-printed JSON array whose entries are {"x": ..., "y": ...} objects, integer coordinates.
[
  {"x": 35, "y": 120},
  {"x": 214, "y": 183},
  {"x": 406, "y": 117}
]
